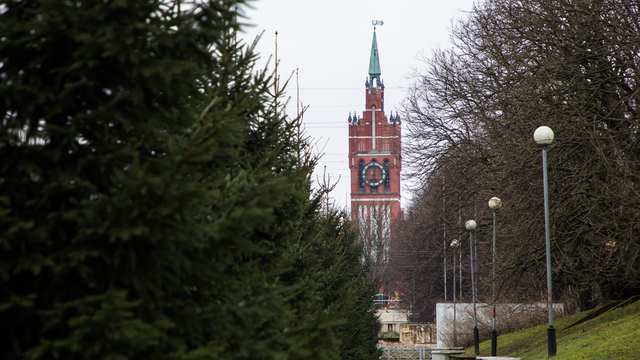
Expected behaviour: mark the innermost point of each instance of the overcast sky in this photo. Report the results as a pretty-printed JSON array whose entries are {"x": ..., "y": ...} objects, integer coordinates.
[{"x": 329, "y": 43}]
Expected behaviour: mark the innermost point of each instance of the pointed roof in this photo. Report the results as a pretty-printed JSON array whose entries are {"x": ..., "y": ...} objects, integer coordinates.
[{"x": 374, "y": 61}]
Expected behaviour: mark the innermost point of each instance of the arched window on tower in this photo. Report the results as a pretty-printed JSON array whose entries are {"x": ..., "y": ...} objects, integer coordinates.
[
  {"x": 360, "y": 176},
  {"x": 386, "y": 178}
]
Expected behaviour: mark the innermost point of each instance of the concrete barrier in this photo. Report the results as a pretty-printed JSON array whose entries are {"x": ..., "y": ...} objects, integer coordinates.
[{"x": 443, "y": 354}]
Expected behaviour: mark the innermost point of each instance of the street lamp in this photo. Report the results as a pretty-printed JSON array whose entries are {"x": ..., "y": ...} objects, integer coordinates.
[
  {"x": 455, "y": 244},
  {"x": 495, "y": 204},
  {"x": 544, "y": 136},
  {"x": 470, "y": 225}
]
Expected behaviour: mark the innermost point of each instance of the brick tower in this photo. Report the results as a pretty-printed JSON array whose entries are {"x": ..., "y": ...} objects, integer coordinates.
[{"x": 375, "y": 161}]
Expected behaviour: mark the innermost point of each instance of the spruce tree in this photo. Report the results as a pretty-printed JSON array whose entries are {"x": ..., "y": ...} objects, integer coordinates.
[
  {"x": 154, "y": 196},
  {"x": 340, "y": 290}
]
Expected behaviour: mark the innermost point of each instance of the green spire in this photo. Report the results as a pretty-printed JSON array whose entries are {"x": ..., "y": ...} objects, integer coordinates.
[{"x": 374, "y": 61}]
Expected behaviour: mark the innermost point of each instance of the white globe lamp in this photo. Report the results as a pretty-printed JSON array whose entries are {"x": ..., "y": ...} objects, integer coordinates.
[
  {"x": 470, "y": 225},
  {"x": 543, "y": 135},
  {"x": 495, "y": 203}
]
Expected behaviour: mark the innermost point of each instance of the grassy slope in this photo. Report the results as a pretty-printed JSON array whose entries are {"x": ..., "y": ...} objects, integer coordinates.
[{"x": 615, "y": 334}]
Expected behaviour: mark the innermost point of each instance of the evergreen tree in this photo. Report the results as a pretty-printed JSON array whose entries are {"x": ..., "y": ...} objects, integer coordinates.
[
  {"x": 155, "y": 199},
  {"x": 339, "y": 290}
]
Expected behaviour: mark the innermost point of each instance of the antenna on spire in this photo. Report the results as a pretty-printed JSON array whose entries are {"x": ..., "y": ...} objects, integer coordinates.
[{"x": 376, "y": 23}]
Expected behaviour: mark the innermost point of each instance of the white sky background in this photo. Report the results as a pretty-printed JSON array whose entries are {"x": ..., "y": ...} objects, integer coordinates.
[{"x": 329, "y": 42}]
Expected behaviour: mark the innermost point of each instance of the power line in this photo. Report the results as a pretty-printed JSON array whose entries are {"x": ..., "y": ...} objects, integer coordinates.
[{"x": 345, "y": 88}]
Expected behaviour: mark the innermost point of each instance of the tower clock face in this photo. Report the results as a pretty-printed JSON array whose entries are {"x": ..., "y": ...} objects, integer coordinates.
[{"x": 373, "y": 174}]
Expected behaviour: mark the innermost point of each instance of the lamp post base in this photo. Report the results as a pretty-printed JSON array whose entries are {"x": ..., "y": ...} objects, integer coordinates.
[
  {"x": 476, "y": 340},
  {"x": 551, "y": 341},
  {"x": 494, "y": 342}
]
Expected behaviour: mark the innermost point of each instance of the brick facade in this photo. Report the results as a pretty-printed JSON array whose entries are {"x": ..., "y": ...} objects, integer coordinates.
[{"x": 374, "y": 151}]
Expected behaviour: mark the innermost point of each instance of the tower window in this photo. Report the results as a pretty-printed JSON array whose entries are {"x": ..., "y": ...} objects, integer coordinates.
[
  {"x": 386, "y": 179},
  {"x": 361, "y": 175}
]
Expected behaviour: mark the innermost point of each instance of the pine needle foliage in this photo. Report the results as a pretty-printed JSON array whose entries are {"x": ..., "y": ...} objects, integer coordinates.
[{"x": 155, "y": 201}]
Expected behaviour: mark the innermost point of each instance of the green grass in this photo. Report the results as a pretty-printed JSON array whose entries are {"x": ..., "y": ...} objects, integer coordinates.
[{"x": 613, "y": 334}]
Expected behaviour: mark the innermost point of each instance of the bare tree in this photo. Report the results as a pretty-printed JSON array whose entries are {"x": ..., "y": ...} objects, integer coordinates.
[
  {"x": 572, "y": 65},
  {"x": 374, "y": 221}
]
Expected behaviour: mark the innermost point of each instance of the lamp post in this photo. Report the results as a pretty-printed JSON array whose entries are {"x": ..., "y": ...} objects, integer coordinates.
[
  {"x": 470, "y": 225},
  {"x": 495, "y": 204},
  {"x": 454, "y": 245},
  {"x": 544, "y": 136}
]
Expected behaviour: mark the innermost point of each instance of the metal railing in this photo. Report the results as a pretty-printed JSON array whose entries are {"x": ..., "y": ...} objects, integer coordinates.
[{"x": 406, "y": 352}]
